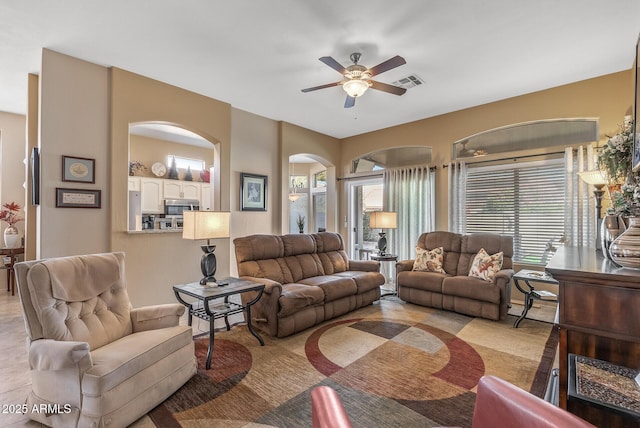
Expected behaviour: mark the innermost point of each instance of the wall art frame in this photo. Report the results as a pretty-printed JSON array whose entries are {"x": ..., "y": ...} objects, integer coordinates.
[
  {"x": 77, "y": 198},
  {"x": 635, "y": 158},
  {"x": 78, "y": 170},
  {"x": 253, "y": 192}
]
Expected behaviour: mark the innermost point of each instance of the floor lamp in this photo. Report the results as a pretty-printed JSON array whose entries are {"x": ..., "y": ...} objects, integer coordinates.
[
  {"x": 598, "y": 181},
  {"x": 207, "y": 225},
  {"x": 382, "y": 220}
]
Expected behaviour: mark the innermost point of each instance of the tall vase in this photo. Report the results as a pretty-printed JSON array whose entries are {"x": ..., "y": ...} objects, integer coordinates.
[
  {"x": 11, "y": 237},
  {"x": 612, "y": 227},
  {"x": 625, "y": 249}
]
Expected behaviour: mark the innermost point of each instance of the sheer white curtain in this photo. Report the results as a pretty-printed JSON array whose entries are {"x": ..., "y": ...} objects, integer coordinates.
[
  {"x": 580, "y": 217},
  {"x": 410, "y": 193},
  {"x": 457, "y": 173}
]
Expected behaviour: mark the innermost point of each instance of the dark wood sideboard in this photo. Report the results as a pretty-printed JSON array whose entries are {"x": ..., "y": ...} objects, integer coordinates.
[{"x": 599, "y": 318}]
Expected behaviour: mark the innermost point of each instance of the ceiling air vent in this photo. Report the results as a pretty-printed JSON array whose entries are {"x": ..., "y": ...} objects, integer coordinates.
[{"x": 409, "y": 82}]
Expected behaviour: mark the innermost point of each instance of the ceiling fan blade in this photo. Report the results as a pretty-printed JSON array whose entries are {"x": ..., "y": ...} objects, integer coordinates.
[
  {"x": 333, "y": 64},
  {"x": 394, "y": 62},
  {"x": 315, "y": 88},
  {"x": 396, "y": 90},
  {"x": 349, "y": 102}
]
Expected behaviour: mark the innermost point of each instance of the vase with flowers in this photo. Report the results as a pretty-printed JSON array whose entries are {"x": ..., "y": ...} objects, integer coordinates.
[{"x": 9, "y": 214}]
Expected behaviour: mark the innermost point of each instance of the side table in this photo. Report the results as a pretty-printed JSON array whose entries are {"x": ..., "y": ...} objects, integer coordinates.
[
  {"x": 11, "y": 254},
  {"x": 210, "y": 312},
  {"x": 530, "y": 293},
  {"x": 387, "y": 258}
]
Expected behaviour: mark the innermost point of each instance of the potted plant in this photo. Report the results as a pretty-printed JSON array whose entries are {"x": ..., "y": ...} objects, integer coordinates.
[
  {"x": 9, "y": 214},
  {"x": 300, "y": 222}
]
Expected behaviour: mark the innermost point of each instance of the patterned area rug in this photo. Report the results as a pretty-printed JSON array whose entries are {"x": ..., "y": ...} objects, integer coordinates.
[{"x": 393, "y": 365}]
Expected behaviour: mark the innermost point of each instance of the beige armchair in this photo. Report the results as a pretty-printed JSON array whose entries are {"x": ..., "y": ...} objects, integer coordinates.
[{"x": 95, "y": 361}]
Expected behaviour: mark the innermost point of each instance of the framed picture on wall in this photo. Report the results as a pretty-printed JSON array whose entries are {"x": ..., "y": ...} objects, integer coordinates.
[
  {"x": 253, "y": 192},
  {"x": 77, "y": 198},
  {"x": 78, "y": 170}
]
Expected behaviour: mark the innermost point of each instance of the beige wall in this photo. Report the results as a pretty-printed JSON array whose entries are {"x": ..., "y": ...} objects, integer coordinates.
[
  {"x": 608, "y": 98},
  {"x": 155, "y": 262},
  {"x": 324, "y": 149},
  {"x": 254, "y": 149},
  {"x": 13, "y": 172},
  {"x": 150, "y": 150},
  {"x": 74, "y": 120}
]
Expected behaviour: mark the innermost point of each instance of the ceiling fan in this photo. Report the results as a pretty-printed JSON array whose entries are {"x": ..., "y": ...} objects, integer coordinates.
[{"x": 357, "y": 78}]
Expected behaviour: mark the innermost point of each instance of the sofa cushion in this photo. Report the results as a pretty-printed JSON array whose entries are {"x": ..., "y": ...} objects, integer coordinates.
[
  {"x": 334, "y": 286},
  {"x": 485, "y": 266},
  {"x": 118, "y": 361},
  {"x": 472, "y": 288},
  {"x": 295, "y": 297},
  {"x": 303, "y": 266},
  {"x": 451, "y": 244},
  {"x": 365, "y": 281},
  {"x": 431, "y": 281},
  {"x": 429, "y": 260}
]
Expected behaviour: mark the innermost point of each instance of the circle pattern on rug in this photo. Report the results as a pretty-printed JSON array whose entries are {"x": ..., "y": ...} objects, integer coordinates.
[{"x": 396, "y": 370}]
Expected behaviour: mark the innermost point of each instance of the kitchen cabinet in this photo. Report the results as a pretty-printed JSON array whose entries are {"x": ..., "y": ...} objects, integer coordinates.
[
  {"x": 151, "y": 193},
  {"x": 134, "y": 183},
  {"x": 174, "y": 189},
  {"x": 598, "y": 318}
]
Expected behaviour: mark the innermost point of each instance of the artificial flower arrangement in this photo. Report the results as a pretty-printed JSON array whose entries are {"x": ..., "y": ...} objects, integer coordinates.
[
  {"x": 615, "y": 158},
  {"x": 10, "y": 213}
]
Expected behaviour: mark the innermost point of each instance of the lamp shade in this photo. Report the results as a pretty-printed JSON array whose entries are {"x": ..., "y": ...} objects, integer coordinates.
[
  {"x": 383, "y": 220},
  {"x": 355, "y": 87},
  {"x": 595, "y": 178},
  {"x": 205, "y": 224}
]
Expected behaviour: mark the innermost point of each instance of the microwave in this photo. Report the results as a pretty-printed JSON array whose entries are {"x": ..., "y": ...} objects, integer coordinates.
[{"x": 175, "y": 207}]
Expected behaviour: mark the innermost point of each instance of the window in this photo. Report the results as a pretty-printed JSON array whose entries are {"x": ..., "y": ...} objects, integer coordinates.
[
  {"x": 524, "y": 200},
  {"x": 184, "y": 163}
]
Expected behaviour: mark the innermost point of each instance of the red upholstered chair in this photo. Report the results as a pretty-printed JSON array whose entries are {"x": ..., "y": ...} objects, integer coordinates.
[
  {"x": 501, "y": 404},
  {"x": 327, "y": 410}
]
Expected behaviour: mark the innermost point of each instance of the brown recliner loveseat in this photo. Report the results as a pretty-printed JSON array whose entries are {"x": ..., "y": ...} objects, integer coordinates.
[
  {"x": 454, "y": 289},
  {"x": 308, "y": 279}
]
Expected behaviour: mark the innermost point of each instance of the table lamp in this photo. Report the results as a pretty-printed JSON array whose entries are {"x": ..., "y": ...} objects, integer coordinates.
[
  {"x": 206, "y": 225},
  {"x": 598, "y": 180},
  {"x": 382, "y": 220}
]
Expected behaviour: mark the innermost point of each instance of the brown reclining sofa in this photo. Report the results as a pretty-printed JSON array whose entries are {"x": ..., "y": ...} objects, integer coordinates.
[
  {"x": 455, "y": 290},
  {"x": 308, "y": 279}
]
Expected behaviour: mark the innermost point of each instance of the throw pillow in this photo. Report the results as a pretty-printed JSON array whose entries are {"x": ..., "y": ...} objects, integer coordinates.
[
  {"x": 485, "y": 266},
  {"x": 429, "y": 260}
]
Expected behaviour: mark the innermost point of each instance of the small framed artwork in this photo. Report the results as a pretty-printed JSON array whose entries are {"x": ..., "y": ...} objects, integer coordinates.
[
  {"x": 78, "y": 170},
  {"x": 253, "y": 192},
  {"x": 77, "y": 198}
]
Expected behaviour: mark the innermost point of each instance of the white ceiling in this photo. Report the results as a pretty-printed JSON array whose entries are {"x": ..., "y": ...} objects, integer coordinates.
[{"x": 258, "y": 55}]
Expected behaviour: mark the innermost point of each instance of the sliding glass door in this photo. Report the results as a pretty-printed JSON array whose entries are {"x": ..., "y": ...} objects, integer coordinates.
[{"x": 365, "y": 196}]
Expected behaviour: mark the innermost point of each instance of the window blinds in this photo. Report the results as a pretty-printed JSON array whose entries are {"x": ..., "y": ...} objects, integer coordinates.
[{"x": 523, "y": 200}]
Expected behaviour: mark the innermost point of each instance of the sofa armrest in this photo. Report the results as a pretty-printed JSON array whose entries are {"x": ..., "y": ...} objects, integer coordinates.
[
  {"x": 54, "y": 355},
  {"x": 155, "y": 317},
  {"x": 264, "y": 313},
  {"x": 404, "y": 265},
  {"x": 503, "y": 281},
  {"x": 364, "y": 265},
  {"x": 270, "y": 286},
  {"x": 57, "y": 369}
]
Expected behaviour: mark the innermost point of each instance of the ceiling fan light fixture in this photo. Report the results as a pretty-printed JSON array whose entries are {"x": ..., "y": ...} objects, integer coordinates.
[{"x": 355, "y": 87}]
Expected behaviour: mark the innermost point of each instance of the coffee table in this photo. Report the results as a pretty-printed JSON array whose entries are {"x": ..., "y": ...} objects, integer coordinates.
[{"x": 205, "y": 309}]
